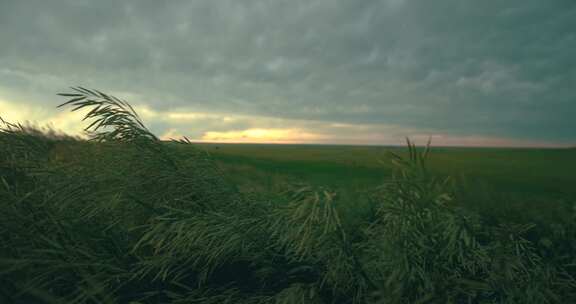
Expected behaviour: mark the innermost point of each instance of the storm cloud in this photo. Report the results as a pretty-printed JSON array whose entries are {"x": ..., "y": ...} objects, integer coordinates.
[{"x": 460, "y": 69}]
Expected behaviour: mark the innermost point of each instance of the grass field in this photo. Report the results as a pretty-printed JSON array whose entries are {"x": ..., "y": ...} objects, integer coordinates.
[
  {"x": 522, "y": 184},
  {"x": 529, "y": 171},
  {"x": 128, "y": 218}
]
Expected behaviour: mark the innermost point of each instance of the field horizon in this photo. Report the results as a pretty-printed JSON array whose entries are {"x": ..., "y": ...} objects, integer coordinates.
[{"x": 401, "y": 146}]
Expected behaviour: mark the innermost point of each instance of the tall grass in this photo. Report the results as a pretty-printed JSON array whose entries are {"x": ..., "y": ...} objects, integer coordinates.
[{"x": 126, "y": 218}]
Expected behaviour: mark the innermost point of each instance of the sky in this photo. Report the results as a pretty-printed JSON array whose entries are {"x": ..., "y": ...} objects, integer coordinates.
[{"x": 463, "y": 72}]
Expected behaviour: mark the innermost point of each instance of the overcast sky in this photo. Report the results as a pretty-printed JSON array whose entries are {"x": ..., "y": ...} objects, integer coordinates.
[{"x": 466, "y": 72}]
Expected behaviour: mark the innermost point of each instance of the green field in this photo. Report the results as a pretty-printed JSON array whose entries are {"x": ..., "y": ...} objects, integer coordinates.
[
  {"x": 515, "y": 170},
  {"x": 522, "y": 184}
]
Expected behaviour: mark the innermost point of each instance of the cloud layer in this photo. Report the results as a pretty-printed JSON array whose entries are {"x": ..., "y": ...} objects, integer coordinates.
[{"x": 466, "y": 71}]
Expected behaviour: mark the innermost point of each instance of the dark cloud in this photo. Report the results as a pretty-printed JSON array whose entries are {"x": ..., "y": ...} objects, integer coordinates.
[{"x": 459, "y": 67}]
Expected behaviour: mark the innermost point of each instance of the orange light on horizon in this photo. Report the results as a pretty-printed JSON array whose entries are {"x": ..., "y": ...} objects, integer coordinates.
[{"x": 262, "y": 135}]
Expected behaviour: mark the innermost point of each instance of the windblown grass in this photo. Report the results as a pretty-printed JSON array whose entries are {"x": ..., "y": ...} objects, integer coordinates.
[{"x": 125, "y": 218}]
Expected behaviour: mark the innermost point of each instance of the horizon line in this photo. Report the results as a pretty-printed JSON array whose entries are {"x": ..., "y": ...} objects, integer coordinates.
[{"x": 383, "y": 145}]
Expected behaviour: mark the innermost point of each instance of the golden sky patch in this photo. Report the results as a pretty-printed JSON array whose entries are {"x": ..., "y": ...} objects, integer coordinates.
[
  {"x": 57, "y": 120},
  {"x": 261, "y": 135}
]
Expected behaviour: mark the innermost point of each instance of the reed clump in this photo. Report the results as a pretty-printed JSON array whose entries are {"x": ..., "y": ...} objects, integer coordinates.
[{"x": 127, "y": 218}]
